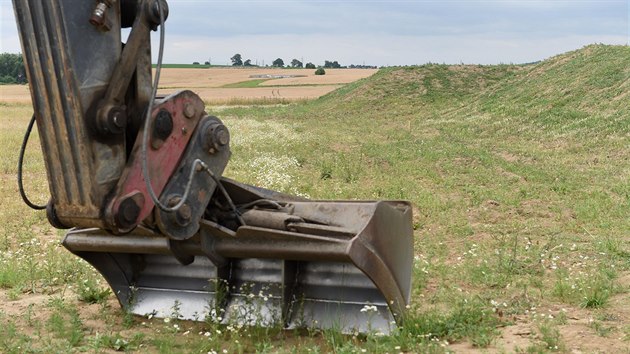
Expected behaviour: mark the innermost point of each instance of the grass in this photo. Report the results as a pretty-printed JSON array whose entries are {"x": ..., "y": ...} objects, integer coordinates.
[
  {"x": 253, "y": 102},
  {"x": 246, "y": 84},
  {"x": 256, "y": 83},
  {"x": 519, "y": 180}
]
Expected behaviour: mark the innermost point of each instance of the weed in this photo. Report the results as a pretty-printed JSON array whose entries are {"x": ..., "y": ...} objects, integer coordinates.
[
  {"x": 601, "y": 329},
  {"x": 89, "y": 291},
  {"x": 550, "y": 340},
  {"x": 66, "y": 324},
  {"x": 469, "y": 319}
]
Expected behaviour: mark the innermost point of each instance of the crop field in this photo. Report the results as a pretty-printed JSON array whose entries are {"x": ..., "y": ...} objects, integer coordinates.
[
  {"x": 225, "y": 85},
  {"x": 231, "y": 86},
  {"x": 519, "y": 177}
]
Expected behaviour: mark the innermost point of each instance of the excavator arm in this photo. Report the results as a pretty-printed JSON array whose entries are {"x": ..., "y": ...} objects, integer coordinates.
[{"x": 138, "y": 180}]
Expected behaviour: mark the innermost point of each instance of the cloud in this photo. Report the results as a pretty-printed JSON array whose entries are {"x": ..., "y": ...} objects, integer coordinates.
[
  {"x": 381, "y": 32},
  {"x": 376, "y": 49}
]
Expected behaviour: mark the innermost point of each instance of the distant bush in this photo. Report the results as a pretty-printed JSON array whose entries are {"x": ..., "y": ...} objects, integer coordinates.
[
  {"x": 310, "y": 66},
  {"x": 320, "y": 71}
]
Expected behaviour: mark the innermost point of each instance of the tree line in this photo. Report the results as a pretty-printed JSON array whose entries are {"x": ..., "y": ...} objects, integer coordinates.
[
  {"x": 12, "y": 69},
  {"x": 237, "y": 60}
]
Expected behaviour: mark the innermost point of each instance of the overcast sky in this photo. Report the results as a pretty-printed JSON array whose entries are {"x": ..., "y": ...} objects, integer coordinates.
[{"x": 379, "y": 32}]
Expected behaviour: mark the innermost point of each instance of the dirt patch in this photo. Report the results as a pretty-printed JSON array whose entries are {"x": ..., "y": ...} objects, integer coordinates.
[
  {"x": 511, "y": 176},
  {"x": 534, "y": 209},
  {"x": 17, "y": 308},
  {"x": 578, "y": 334},
  {"x": 508, "y": 156}
]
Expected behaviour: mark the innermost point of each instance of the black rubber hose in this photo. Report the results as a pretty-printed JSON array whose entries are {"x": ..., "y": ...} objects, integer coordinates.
[{"x": 21, "y": 164}]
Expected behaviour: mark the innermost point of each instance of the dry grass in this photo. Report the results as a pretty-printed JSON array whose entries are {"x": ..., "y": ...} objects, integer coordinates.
[
  {"x": 209, "y": 84},
  {"x": 15, "y": 94},
  {"x": 228, "y": 95}
]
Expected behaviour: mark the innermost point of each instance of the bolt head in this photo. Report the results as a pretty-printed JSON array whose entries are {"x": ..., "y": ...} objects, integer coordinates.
[
  {"x": 221, "y": 136},
  {"x": 189, "y": 110},
  {"x": 128, "y": 212},
  {"x": 163, "y": 125},
  {"x": 185, "y": 213}
]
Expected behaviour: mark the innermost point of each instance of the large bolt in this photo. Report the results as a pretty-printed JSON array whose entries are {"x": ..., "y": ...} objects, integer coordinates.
[
  {"x": 189, "y": 110},
  {"x": 217, "y": 136},
  {"x": 163, "y": 125},
  {"x": 112, "y": 121},
  {"x": 221, "y": 135},
  {"x": 183, "y": 215},
  {"x": 98, "y": 15},
  {"x": 128, "y": 212},
  {"x": 118, "y": 119}
]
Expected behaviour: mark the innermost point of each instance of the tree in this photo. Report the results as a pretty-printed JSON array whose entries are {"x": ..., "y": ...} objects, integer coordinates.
[
  {"x": 248, "y": 62},
  {"x": 296, "y": 63},
  {"x": 310, "y": 66},
  {"x": 279, "y": 63},
  {"x": 332, "y": 64},
  {"x": 320, "y": 71},
  {"x": 237, "y": 60},
  {"x": 207, "y": 63},
  {"x": 195, "y": 63},
  {"x": 12, "y": 69}
]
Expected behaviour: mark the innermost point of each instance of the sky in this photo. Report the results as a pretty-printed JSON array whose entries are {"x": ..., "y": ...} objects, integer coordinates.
[{"x": 378, "y": 32}]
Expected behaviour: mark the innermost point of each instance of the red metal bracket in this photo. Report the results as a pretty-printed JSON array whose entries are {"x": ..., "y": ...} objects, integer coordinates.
[{"x": 173, "y": 121}]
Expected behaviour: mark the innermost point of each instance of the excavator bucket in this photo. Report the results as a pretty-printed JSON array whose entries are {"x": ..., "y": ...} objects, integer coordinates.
[{"x": 341, "y": 265}]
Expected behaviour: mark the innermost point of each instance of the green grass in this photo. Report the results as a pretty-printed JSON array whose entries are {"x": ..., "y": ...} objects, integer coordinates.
[
  {"x": 518, "y": 176},
  {"x": 246, "y": 84},
  {"x": 256, "y": 83}
]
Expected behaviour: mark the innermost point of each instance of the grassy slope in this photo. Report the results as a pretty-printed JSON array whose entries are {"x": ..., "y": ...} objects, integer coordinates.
[{"x": 519, "y": 174}]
